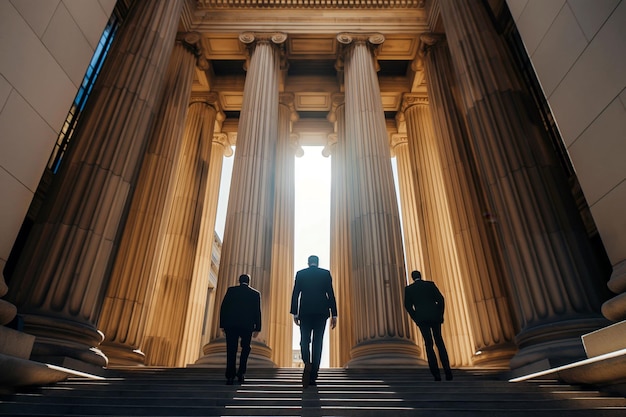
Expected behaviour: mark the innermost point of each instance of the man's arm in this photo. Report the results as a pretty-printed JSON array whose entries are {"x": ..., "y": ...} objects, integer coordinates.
[
  {"x": 295, "y": 297},
  {"x": 408, "y": 303},
  {"x": 257, "y": 321},
  {"x": 225, "y": 308}
]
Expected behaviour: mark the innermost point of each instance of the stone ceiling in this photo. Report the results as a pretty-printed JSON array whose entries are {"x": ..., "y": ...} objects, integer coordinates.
[{"x": 311, "y": 48}]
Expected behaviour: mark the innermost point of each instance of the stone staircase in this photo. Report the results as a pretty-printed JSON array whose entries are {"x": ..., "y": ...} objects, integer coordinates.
[{"x": 277, "y": 392}]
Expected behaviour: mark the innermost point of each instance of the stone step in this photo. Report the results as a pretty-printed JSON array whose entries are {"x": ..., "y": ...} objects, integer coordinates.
[{"x": 277, "y": 392}]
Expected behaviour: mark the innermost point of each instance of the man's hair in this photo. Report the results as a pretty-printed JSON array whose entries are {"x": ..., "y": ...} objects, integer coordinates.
[
  {"x": 244, "y": 279},
  {"x": 416, "y": 275},
  {"x": 313, "y": 260}
]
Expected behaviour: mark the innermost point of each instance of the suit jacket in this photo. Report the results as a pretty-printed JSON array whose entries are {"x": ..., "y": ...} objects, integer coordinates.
[
  {"x": 313, "y": 293},
  {"x": 424, "y": 302},
  {"x": 241, "y": 307}
]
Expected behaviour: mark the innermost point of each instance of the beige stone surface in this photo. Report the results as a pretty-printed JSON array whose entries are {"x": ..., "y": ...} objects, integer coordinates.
[
  {"x": 14, "y": 343},
  {"x": 18, "y": 372},
  {"x": 606, "y": 340}
]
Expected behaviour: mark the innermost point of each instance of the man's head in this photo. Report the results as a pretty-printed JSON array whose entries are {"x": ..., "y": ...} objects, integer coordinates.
[
  {"x": 313, "y": 260},
  {"x": 244, "y": 279},
  {"x": 416, "y": 275}
]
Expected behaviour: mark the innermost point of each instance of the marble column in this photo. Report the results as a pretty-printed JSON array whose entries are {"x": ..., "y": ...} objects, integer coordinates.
[
  {"x": 132, "y": 280},
  {"x": 489, "y": 304},
  {"x": 248, "y": 233},
  {"x": 220, "y": 148},
  {"x": 381, "y": 327},
  {"x": 60, "y": 280},
  {"x": 282, "y": 274},
  {"x": 180, "y": 293},
  {"x": 441, "y": 263},
  {"x": 192, "y": 332},
  {"x": 554, "y": 279},
  {"x": 409, "y": 203},
  {"x": 342, "y": 338}
]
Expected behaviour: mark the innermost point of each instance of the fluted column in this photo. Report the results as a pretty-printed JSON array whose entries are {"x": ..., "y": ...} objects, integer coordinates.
[
  {"x": 247, "y": 246},
  {"x": 381, "y": 327},
  {"x": 60, "y": 280},
  {"x": 553, "y": 277},
  {"x": 207, "y": 208},
  {"x": 410, "y": 212},
  {"x": 281, "y": 276},
  {"x": 132, "y": 280},
  {"x": 441, "y": 263},
  {"x": 176, "y": 302},
  {"x": 342, "y": 338},
  {"x": 408, "y": 201},
  {"x": 489, "y": 305},
  {"x": 220, "y": 148}
]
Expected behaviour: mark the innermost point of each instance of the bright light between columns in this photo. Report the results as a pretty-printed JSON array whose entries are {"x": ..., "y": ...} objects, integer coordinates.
[
  {"x": 312, "y": 215},
  {"x": 312, "y": 219}
]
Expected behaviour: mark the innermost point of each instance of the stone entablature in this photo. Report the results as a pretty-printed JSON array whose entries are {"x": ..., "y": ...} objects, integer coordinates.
[{"x": 311, "y": 4}]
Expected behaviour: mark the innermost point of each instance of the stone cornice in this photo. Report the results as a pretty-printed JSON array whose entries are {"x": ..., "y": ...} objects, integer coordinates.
[
  {"x": 310, "y": 4},
  {"x": 293, "y": 17}
]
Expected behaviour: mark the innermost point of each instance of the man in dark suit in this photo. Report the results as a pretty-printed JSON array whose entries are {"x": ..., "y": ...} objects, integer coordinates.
[
  {"x": 312, "y": 302},
  {"x": 240, "y": 318},
  {"x": 425, "y": 304}
]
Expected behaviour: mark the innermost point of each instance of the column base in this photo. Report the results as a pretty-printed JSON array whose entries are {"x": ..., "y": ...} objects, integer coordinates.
[
  {"x": 385, "y": 354},
  {"x": 556, "y": 344},
  {"x": 66, "y": 343},
  {"x": 215, "y": 356},
  {"x": 123, "y": 355},
  {"x": 498, "y": 356}
]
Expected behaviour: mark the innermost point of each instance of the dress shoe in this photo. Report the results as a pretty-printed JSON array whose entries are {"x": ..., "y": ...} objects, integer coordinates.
[
  {"x": 312, "y": 383},
  {"x": 230, "y": 381},
  {"x": 306, "y": 375},
  {"x": 241, "y": 379}
]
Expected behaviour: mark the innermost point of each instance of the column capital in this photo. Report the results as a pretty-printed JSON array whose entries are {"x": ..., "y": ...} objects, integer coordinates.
[
  {"x": 222, "y": 139},
  {"x": 429, "y": 40},
  {"x": 210, "y": 98},
  {"x": 294, "y": 141},
  {"x": 411, "y": 99},
  {"x": 288, "y": 100},
  {"x": 397, "y": 139},
  {"x": 347, "y": 40},
  {"x": 330, "y": 145},
  {"x": 251, "y": 39},
  {"x": 374, "y": 39},
  {"x": 337, "y": 100},
  {"x": 192, "y": 41}
]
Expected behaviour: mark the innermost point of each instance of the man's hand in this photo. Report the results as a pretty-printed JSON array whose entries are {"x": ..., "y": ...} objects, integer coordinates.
[
  {"x": 333, "y": 322},
  {"x": 255, "y": 334},
  {"x": 296, "y": 320}
]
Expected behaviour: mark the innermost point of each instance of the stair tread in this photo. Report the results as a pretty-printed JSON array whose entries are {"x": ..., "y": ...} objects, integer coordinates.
[{"x": 277, "y": 392}]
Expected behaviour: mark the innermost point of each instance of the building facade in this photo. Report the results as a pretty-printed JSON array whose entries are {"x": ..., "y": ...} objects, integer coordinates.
[{"x": 506, "y": 120}]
